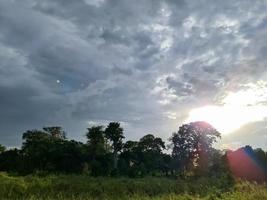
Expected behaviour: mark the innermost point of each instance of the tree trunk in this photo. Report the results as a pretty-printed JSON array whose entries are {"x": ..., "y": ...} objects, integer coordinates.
[{"x": 115, "y": 159}]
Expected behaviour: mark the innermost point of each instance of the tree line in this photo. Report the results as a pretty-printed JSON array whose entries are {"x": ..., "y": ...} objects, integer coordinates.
[{"x": 188, "y": 152}]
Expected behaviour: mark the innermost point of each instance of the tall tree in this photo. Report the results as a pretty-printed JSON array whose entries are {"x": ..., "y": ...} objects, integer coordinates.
[
  {"x": 97, "y": 151},
  {"x": 152, "y": 156},
  {"x": 35, "y": 146},
  {"x": 130, "y": 158},
  {"x": 114, "y": 133},
  {"x": 48, "y": 150},
  {"x": 192, "y": 144},
  {"x": 96, "y": 140}
]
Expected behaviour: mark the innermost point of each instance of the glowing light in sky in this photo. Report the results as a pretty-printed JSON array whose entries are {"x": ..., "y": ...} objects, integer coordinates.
[{"x": 237, "y": 109}]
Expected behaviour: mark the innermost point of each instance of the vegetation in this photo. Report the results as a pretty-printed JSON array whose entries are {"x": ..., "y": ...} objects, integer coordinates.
[
  {"x": 73, "y": 187},
  {"x": 49, "y": 166},
  {"x": 105, "y": 153},
  {"x": 2, "y": 148}
]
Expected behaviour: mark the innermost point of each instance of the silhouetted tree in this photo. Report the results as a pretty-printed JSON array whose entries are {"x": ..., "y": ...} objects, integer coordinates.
[
  {"x": 114, "y": 133},
  {"x": 143, "y": 157},
  {"x": 105, "y": 154},
  {"x": 151, "y": 143},
  {"x": 130, "y": 159},
  {"x": 97, "y": 149},
  {"x": 130, "y": 152},
  {"x": 66, "y": 156},
  {"x": 192, "y": 143},
  {"x": 151, "y": 148},
  {"x": 35, "y": 148},
  {"x": 261, "y": 156},
  {"x": 217, "y": 163},
  {"x": 95, "y": 140},
  {"x": 48, "y": 150}
]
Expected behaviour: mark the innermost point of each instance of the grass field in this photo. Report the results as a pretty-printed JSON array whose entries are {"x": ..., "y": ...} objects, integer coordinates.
[{"x": 72, "y": 187}]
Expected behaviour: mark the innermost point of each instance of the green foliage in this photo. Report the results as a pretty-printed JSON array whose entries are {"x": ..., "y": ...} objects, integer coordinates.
[
  {"x": 114, "y": 133},
  {"x": 11, "y": 160},
  {"x": 85, "y": 187},
  {"x": 144, "y": 157},
  {"x": 194, "y": 170},
  {"x": 49, "y": 151},
  {"x": 2, "y": 148},
  {"x": 151, "y": 143},
  {"x": 96, "y": 141},
  {"x": 98, "y": 156},
  {"x": 192, "y": 145},
  {"x": 62, "y": 187}
]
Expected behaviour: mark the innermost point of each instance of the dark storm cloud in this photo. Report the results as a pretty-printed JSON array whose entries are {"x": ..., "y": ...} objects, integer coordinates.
[{"x": 144, "y": 63}]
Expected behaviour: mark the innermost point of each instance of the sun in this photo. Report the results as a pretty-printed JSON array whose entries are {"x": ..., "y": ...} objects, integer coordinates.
[
  {"x": 227, "y": 119},
  {"x": 236, "y": 110}
]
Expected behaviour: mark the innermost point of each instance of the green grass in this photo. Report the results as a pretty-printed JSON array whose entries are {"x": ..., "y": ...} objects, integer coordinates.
[{"x": 70, "y": 187}]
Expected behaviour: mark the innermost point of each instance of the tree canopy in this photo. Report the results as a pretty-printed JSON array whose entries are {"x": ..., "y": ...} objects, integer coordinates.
[
  {"x": 189, "y": 152},
  {"x": 193, "y": 143}
]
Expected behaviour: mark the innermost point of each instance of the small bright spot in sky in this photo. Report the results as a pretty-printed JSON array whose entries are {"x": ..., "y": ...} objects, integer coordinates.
[{"x": 58, "y": 81}]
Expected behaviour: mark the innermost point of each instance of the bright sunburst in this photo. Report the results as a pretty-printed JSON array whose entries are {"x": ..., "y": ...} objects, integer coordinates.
[{"x": 237, "y": 109}]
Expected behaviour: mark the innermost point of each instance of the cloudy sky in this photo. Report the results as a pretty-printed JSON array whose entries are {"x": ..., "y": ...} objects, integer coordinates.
[{"x": 150, "y": 64}]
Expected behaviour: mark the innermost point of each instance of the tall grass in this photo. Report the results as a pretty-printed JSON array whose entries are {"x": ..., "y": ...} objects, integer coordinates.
[{"x": 70, "y": 187}]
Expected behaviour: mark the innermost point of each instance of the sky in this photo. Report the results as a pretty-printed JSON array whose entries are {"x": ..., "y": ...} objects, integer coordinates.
[{"x": 150, "y": 64}]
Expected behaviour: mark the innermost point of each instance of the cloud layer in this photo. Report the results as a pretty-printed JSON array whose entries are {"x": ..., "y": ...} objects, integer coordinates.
[{"x": 145, "y": 63}]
